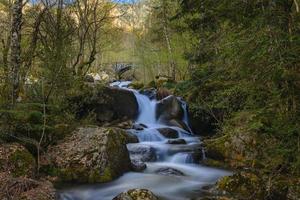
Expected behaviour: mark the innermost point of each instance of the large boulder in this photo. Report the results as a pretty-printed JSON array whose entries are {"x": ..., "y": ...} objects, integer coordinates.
[
  {"x": 16, "y": 160},
  {"x": 106, "y": 103},
  {"x": 257, "y": 186},
  {"x": 25, "y": 188},
  {"x": 136, "y": 194},
  {"x": 169, "y": 108},
  {"x": 90, "y": 155}
]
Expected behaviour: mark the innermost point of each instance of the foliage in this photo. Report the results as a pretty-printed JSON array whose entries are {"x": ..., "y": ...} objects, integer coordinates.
[{"x": 245, "y": 61}]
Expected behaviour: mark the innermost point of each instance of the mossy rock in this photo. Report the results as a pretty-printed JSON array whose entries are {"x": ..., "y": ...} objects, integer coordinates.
[
  {"x": 214, "y": 163},
  {"x": 240, "y": 184},
  {"x": 258, "y": 186},
  {"x": 216, "y": 149},
  {"x": 136, "y": 194},
  {"x": 16, "y": 160},
  {"x": 90, "y": 155}
]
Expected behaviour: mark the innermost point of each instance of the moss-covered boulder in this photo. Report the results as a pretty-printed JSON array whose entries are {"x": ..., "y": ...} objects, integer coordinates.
[
  {"x": 25, "y": 188},
  {"x": 240, "y": 144},
  {"x": 16, "y": 160},
  {"x": 259, "y": 186},
  {"x": 90, "y": 155},
  {"x": 136, "y": 194},
  {"x": 105, "y": 103}
]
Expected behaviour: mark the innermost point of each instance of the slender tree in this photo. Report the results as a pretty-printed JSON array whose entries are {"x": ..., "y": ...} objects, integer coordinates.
[{"x": 15, "y": 56}]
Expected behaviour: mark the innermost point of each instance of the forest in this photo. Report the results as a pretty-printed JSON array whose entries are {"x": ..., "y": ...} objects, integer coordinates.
[{"x": 150, "y": 99}]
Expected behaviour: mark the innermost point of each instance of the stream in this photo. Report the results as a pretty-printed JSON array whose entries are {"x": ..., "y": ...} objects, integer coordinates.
[{"x": 175, "y": 173}]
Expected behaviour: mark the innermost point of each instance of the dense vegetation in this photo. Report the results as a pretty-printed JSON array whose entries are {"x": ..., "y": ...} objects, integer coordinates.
[
  {"x": 246, "y": 73},
  {"x": 235, "y": 61},
  {"x": 243, "y": 72},
  {"x": 246, "y": 65}
]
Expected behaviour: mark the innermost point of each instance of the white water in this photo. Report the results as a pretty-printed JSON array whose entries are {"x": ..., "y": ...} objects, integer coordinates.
[
  {"x": 177, "y": 157},
  {"x": 146, "y": 109}
]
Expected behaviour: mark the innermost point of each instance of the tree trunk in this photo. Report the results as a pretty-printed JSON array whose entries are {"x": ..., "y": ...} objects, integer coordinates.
[
  {"x": 168, "y": 41},
  {"x": 15, "y": 57}
]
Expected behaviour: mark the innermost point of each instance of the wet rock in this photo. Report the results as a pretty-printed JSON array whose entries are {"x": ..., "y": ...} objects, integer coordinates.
[
  {"x": 131, "y": 138},
  {"x": 167, "y": 171},
  {"x": 139, "y": 127},
  {"x": 176, "y": 141},
  {"x": 25, "y": 188},
  {"x": 178, "y": 123},
  {"x": 168, "y": 132},
  {"x": 16, "y": 160},
  {"x": 141, "y": 152},
  {"x": 169, "y": 108},
  {"x": 90, "y": 155},
  {"x": 138, "y": 165},
  {"x": 136, "y": 194},
  {"x": 185, "y": 148}
]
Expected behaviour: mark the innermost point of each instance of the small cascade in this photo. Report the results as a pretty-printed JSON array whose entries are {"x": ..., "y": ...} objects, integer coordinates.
[
  {"x": 172, "y": 169},
  {"x": 185, "y": 115},
  {"x": 146, "y": 109},
  {"x": 150, "y": 135},
  {"x": 182, "y": 158}
]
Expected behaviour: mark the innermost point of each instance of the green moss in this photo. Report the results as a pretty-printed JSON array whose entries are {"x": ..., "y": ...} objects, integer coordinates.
[
  {"x": 81, "y": 175},
  {"x": 214, "y": 163},
  {"x": 106, "y": 176},
  {"x": 23, "y": 162},
  {"x": 94, "y": 176},
  {"x": 241, "y": 185},
  {"x": 66, "y": 175},
  {"x": 216, "y": 148}
]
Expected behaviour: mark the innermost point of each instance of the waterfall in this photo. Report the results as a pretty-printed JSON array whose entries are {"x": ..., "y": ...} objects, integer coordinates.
[
  {"x": 185, "y": 115},
  {"x": 172, "y": 160},
  {"x": 147, "y": 109}
]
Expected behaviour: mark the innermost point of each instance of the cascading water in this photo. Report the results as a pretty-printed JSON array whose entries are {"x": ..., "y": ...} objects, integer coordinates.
[
  {"x": 146, "y": 109},
  {"x": 173, "y": 171}
]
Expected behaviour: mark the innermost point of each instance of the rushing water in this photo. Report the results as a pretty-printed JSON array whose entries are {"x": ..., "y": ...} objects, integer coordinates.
[{"x": 177, "y": 157}]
